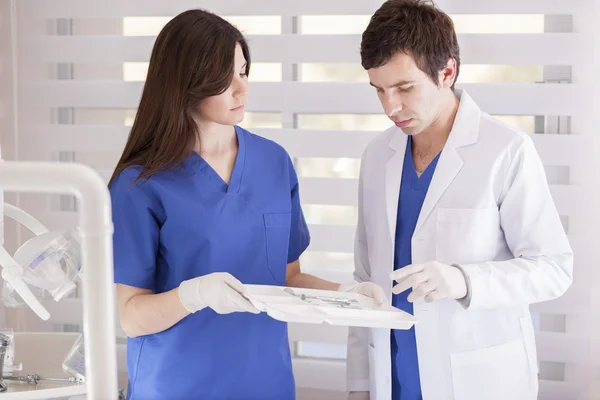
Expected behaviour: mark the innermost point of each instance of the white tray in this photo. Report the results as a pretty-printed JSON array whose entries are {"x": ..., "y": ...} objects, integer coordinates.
[{"x": 322, "y": 306}]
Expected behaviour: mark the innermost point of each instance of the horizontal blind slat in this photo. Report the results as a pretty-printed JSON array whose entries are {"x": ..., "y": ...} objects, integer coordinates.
[
  {"x": 551, "y": 346},
  {"x": 569, "y": 199},
  {"x": 321, "y": 98},
  {"x": 526, "y": 49},
  {"x": 330, "y": 375},
  {"x": 561, "y": 150},
  {"x": 563, "y": 348},
  {"x": 79, "y": 9}
]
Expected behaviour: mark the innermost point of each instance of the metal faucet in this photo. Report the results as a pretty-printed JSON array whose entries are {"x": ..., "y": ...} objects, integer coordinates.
[
  {"x": 34, "y": 379},
  {"x": 4, "y": 342}
]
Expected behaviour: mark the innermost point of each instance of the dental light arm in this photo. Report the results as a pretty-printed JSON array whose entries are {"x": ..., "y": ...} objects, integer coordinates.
[{"x": 12, "y": 271}]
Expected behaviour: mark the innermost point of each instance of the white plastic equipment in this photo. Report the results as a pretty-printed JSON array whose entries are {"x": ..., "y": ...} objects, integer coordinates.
[
  {"x": 12, "y": 270},
  {"x": 95, "y": 228},
  {"x": 322, "y": 306}
]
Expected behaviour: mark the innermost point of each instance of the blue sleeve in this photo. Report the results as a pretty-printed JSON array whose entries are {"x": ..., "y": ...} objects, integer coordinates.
[
  {"x": 299, "y": 233},
  {"x": 136, "y": 232}
]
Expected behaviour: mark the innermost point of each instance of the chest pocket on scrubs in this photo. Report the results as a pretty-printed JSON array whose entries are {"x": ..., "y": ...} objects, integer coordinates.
[{"x": 277, "y": 239}]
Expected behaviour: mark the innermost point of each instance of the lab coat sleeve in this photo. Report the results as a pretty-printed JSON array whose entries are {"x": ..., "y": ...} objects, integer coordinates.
[
  {"x": 136, "y": 231},
  {"x": 542, "y": 268},
  {"x": 299, "y": 233},
  {"x": 357, "y": 366}
]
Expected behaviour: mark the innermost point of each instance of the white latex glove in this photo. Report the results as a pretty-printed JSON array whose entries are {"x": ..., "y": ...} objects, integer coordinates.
[
  {"x": 219, "y": 291},
  {"x": 358, "y": 396},
  {"x": 368, "y": 289},
  {"x": 433, "y": 280}
]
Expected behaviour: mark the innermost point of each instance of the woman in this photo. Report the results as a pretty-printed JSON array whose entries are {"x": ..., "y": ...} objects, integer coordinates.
[{"x": 199, "y": 206}]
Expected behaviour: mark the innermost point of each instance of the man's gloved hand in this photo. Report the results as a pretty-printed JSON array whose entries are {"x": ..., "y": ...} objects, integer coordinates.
[
  {"x": 368, "y": 289},
  {"x": 219, "y": 291},
  {"x": 358, "y": 396},
  {"x": 433, "y": 280}
]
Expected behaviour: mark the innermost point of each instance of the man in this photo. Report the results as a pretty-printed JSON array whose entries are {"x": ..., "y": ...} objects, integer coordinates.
[{"x": 455, "y": 208}]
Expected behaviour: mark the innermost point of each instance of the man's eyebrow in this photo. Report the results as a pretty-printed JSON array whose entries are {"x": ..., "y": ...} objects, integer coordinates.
[{"x": 400, "y": 83}]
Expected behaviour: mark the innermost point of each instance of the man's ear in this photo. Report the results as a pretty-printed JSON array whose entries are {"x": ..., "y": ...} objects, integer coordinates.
[{"x": 447, "y": 76}]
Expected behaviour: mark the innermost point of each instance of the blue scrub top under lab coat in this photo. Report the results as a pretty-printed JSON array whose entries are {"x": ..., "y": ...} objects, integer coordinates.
[
  {"x": 405, "y": 367},
  {"x": 187, "y": 223}
]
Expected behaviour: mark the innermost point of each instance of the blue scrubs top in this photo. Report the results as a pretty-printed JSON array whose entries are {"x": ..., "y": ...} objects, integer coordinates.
[
  {"x": 187, "y": 223},
  {"x": 405, "y": 367}
]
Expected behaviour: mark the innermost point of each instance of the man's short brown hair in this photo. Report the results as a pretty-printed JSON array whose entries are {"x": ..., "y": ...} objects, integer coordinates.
[{"x": 415, "y": 27}]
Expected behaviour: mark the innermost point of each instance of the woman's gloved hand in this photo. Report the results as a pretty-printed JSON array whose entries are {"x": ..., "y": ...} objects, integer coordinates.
[{"x": 220, "y": 291}]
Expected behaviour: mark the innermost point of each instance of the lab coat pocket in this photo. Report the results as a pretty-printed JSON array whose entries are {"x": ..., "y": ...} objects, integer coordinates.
[
  {"x": 465, "y": 235},
  {"x": 495, "y": 373},
  {"x": 277, "y": 240}
]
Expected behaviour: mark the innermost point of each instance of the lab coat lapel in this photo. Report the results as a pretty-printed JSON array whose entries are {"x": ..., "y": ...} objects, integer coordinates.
[
  {"x": 465, "y": 131},
  {"x": 393, "y": 177},
  {"x": 449, "y": 165}
]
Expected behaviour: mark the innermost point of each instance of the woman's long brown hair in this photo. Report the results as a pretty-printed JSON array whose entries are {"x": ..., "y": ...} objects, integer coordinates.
[{"x": 192, "y": 59}]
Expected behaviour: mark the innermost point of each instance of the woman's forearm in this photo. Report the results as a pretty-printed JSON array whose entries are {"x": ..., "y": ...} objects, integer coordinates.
[
  {"x": 145, "y": 314},
  {"x": 307, "y": 281}
]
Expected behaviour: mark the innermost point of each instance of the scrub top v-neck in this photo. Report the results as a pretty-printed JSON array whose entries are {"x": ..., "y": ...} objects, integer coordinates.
[
  {"x": 235, "y": 181},
  {"x": 413, "y": 189},
  {"x": 186, "y": 223}
]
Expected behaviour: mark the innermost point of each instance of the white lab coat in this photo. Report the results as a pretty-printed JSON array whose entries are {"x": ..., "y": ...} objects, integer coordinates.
[{"x": 489, "y": 209}]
